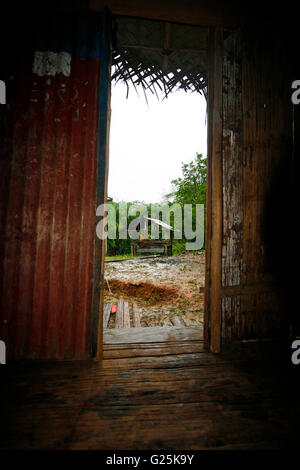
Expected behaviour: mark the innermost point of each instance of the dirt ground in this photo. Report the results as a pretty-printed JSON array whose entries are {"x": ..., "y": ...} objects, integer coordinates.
[{"x": 163, "y": 288}]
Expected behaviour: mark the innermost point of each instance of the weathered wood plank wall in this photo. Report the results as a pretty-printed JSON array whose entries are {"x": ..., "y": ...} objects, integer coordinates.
[
  {"x": 256, "y": 138},
  {"x": 232, "y": 183}
]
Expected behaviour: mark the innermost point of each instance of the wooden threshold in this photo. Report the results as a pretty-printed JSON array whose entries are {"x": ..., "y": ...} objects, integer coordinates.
[{"x": 154, "y": 334}]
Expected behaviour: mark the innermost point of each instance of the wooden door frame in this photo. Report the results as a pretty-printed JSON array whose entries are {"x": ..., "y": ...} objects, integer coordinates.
[
  {"x": 102, "y": 159},
  {"x": 212, "y": 309},
  {"x": 214, "y": 217}
]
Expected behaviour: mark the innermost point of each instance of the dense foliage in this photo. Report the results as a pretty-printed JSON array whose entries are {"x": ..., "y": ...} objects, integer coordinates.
[{"x": 190, "y": 188}]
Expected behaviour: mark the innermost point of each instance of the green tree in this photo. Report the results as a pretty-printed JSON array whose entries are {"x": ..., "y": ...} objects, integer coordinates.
[{"x": 191, "y": 187}]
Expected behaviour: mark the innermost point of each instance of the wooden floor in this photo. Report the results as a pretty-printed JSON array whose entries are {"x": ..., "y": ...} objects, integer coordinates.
[
  {"x": 122, "y": 319},
  {"x": 165, "y": 396},
  {"x": 153, "y": 334},
  {"x": 122, "y": 315}
]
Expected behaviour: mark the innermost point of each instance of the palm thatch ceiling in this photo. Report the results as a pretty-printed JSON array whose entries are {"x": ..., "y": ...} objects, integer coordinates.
[{"x": 159, "y": 56}]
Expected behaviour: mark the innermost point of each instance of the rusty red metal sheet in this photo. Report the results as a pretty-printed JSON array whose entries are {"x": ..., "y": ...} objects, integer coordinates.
[{"x": 49, "y": 152}]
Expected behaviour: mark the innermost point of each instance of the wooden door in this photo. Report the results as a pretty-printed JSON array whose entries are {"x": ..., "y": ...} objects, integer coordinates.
[{"x": 250, "y": 143}]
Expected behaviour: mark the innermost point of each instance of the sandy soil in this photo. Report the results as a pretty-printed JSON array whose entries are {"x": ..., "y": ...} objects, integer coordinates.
[{"x": 162, "y": 287}]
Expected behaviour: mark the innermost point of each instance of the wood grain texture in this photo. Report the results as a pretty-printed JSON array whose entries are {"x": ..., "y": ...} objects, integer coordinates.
[
  {"x": 256, "y": 140},
  {"x": 213, "y": 280},
  {"x": 149, "y": 396},
  {"x": 208, "y": 225},
  {"x": 126, "y": 318},
  {"x": 191, "y": 12},
  {"x": 119, "y": 315},
  {"x": 152, "y": 334},
  {"x": 232, "y": 153},
  {"x": 104, "y": 116},
  {"x": 106, "y": 314},
  {"x": 136, "y": 316}
]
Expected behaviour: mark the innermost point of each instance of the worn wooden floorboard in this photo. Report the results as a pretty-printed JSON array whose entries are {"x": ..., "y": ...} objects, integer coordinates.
[
  {"x": 153, "y": 349},
  {"x": 152, "y": 334},
  {"x": 150, "y": 396},
  {"x": 231, "y": 392},
  {"x": 106, "y": 314},
  {"x": 136, "y": 316},
  {"x": 174, "y": 427}
]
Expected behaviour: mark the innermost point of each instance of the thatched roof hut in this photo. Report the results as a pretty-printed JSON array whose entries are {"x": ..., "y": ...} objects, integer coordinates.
[{"x": 160, "y": 56}]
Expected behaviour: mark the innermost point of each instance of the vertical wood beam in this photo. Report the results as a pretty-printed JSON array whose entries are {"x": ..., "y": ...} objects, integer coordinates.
[
  {"x": 212, "y": 321},
  {"x": 96, "y": 328},
  {"x": 166, "y": 46}
]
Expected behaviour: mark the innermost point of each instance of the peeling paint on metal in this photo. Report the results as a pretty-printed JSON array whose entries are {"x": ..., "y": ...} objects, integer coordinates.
[
  {"x": 49, "y": 187},
  {"x": 51, "y": 63}
]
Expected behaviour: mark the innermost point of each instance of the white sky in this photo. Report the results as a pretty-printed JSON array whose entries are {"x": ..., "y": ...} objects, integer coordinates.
[{"x": 149, "y": 142}]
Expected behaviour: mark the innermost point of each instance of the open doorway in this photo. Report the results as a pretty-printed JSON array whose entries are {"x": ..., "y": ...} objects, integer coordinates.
[{"x": 159, "y": 159}]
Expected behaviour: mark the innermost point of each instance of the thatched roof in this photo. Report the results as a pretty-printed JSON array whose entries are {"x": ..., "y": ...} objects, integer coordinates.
[{"x": 159, "y": 56}]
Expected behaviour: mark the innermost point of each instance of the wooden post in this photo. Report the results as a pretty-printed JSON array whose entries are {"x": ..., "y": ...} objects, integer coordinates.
[
  {"x": 165, "y": 249},
  {"x": 96, "y": 325},
  {"x": 212, "y": 320}
]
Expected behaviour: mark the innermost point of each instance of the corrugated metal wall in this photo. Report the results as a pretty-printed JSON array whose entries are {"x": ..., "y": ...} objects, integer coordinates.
[{"x": 48, "y": 160}]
